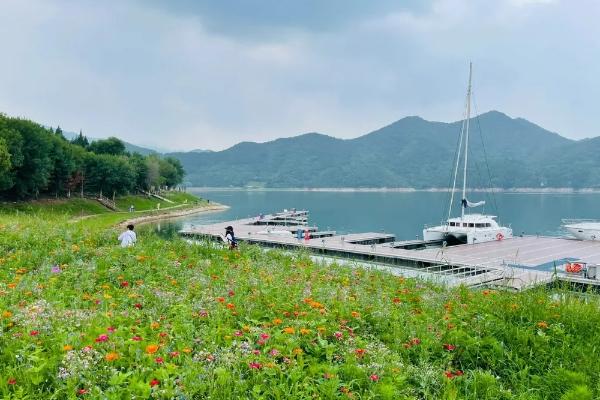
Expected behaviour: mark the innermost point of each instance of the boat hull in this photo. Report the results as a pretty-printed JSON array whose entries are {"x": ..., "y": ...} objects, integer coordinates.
[{"x": 584, "y": 231}]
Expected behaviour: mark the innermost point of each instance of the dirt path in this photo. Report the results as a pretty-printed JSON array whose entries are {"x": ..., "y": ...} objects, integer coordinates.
[{"x": 172, "y": 213}]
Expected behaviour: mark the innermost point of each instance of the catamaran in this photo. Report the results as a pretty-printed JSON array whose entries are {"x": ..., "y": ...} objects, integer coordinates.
[{"x": 468, "y": 228}]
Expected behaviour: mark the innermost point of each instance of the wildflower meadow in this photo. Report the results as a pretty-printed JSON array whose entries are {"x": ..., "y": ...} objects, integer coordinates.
[{"x": 82, "y": 318}]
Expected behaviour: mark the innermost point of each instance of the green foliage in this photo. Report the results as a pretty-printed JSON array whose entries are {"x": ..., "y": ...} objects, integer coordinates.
[
  {"x": 168, "y": 319},
  {"x": 37, "y": 161}
]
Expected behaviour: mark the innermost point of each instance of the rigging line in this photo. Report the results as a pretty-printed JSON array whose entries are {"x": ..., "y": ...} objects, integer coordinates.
[
  {"x": 493, "y": 194},
  {"x": 462, "y": 133},
  {"x": 455, "y": 161}
]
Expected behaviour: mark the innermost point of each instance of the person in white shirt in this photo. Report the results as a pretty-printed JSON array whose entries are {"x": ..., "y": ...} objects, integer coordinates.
[
  {"x": 230, "y": 238},
  {"x": 128, "y": 238}
]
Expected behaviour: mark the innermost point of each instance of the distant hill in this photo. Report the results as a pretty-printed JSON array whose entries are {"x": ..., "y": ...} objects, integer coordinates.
[
  {"x": 411, "y": 152},
  {"x": 132, "y": 148}
]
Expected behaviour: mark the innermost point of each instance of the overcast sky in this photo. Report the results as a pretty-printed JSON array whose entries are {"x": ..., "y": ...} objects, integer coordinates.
[{"x": 184, "y": 74}]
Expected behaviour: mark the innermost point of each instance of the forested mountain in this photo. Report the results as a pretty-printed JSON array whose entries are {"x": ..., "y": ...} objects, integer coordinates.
[
  {"x": 411, "y": 152},
  {"x": 35, "y": 160}
]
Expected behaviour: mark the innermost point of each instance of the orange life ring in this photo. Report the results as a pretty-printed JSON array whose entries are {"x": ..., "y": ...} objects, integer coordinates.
[{"x": 499, "y": 236}]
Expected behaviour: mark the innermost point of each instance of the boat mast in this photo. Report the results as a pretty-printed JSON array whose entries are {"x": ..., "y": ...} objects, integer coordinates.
[{"x": 464, "y": 193}]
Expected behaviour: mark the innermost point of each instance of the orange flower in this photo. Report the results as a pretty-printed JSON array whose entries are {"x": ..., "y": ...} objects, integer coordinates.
[
  {"x": 155, "y": 325},
  {"x": 289, "y": 330},
  {"x": 297, "y": 351},
  {"x": 187, "y": 350},
  {"x": 111, "y": 356},
  {"x": 231, "y": 306},
  {"x": 67, "y": 347},
  {"x": 151, "y": 348},
  {"x": 277, "y": 321},
  {"x": 355, "y": 314},
  {"x": 6, "y": 314},
  {"x": 542, "y": 324},
  {"x": 305, "y": 331},
  {"x": 220, "y": 299}
]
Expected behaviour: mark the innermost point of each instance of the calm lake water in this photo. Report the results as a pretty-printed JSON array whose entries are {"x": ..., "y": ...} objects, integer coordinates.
[{"x": 403, "y": 214}]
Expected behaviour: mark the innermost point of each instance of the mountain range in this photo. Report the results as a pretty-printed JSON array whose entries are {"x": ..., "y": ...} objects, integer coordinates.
[{"x": 412, "y": 152}]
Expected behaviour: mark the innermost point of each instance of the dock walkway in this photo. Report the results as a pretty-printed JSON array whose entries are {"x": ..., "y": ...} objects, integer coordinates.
[{"x": 516, "y": 263}]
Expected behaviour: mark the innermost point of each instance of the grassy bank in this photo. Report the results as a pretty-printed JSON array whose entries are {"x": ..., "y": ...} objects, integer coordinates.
[{"x": 81, "y": 317}]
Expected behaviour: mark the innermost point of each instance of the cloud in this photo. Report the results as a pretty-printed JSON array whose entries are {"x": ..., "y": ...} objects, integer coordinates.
[{"x": 186, "y": 74}]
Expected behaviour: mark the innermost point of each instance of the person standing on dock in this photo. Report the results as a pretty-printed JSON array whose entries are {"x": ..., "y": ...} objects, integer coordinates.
[
  {"x": 230, "y": 237},
  {"x": 128, "y": 238}
]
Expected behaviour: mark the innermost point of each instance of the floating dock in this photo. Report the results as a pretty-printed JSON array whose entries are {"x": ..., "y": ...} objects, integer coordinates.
[{"x": 516, "y": 263}]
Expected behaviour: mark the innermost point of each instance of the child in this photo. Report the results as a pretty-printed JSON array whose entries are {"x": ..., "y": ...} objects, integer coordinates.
[{"x": 128, "y": 238}]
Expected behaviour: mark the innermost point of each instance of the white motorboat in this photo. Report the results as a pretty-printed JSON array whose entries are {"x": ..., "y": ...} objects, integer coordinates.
[
  {"x": 583, "y": 229},
  {"x": 468, "y": 228}
]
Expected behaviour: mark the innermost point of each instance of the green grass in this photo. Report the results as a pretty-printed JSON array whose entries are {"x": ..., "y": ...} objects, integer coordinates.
[
  {"x": 258, "y": 324},
  {"x": 73, "y": 207},
  {"x": 145, "y": 203}
]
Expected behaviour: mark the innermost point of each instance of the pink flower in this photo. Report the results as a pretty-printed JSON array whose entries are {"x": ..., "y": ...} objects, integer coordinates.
[
  {"x": 55, "y": 269},
  {"x": 136, "y": 339},
  {"x": 256, "y": 352},
  {"x": 274, "y": 352},
  {"x": 338, "y": 335},
  {"x": 238, "y": 333},
  {"x": 374, "y": 378},
  {"x": 34, "y": 333},
  {"x": 174, "y": 354},
  {"x": 111, "y": 329},
  {"x": 449, "y": 347},
  {"x": 415, "y": 341},
  {"x": 203, "y": 313},
  {"x": 264, "y": 336},
  {"x": 159, "y": 360},
  {"x": 255, "y": 365},
  {"x": 260, "y": 342},
  {"x": 101, "y": 338},
  {"x": 231, "y": 293}
]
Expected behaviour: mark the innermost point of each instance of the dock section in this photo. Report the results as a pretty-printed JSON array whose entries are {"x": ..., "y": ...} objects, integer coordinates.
[{"x": 516, "y": 263}]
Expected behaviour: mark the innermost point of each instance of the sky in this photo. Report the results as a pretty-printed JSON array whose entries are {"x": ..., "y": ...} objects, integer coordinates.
[{"x": 196, "y": 74}]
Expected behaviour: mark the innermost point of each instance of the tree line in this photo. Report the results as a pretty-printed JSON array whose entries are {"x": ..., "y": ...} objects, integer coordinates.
[{"x": 38, "y": 161}]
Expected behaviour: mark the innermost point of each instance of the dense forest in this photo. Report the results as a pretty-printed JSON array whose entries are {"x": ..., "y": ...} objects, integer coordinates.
[
  {"x": 412, "y": 152},
  {"x": 38, "y": 161}
]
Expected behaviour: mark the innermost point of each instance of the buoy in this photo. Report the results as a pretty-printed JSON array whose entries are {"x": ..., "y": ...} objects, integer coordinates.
[{"x": 499, "y": 236}]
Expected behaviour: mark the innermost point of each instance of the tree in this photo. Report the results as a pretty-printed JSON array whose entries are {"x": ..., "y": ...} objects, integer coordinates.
[
  {"x": 112, "y": 146},
  {"x": 81, "y": 140},
  {"x": 5, "y": 164}
]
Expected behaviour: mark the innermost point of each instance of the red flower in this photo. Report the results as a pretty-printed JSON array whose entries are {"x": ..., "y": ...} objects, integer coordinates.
[
  {"x": 449, "y": 347},
  {"x": 11, "y": 381},
  {"x": 396, "y": 300},
  {"x": 101, "y": 338},
  {"x": 34, "y": 333},
  {"x": 374, "y": 378},
  {"x": 82, "y": 391},
  {"x": 449, "y": 374},
  {"x": 110, "y": 329},
  {"x": 154, "y": 382},
  {"x": 415, "y": 341},
  {"x": 231, "y": 293},
  {"x": 138, "y": 306},
  {"x": 174, "y": 354},
  {"x": 255, "y": 365},
  {"x": 136, "y": 339},
  {"x": 360, "y": 352},
  {"x": 124, "y": 284},
  {"x": 458, "y": 373},
  {"x": 159, "y": 360}
]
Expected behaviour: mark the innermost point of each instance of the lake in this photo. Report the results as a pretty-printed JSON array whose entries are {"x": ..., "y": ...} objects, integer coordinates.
[{"x": 404, "y": 214}]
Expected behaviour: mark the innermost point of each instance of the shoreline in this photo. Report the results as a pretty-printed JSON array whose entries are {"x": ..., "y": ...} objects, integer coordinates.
[
  {"x": 144, "y": 219},
  {"x": 402, "y": 190}
]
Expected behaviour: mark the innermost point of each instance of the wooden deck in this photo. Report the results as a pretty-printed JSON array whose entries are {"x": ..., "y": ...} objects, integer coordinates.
[{"x": 516, "y": 263}]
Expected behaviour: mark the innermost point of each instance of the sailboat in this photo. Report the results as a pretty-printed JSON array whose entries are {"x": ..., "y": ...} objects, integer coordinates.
[{"x": 469, "y": 228}]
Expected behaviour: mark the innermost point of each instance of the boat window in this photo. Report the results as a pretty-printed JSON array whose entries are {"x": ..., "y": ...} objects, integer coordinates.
[
  {"x": 478, "y": 225},
  {"x": 471, "y": 225},
  {"x": 464, "y": 224},
  {"x": 451, "y": 223},
  {"x": 488, "y": 225}
]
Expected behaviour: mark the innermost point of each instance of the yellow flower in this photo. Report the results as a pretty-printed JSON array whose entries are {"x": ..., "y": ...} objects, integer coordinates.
[
  {"x": 155, "y": 325},
  {"x": 111, "y": 356},
  {"x": 67, "y": 347},
  {"x": 7, "y": 314},
  {"x": 151, "y": 348},
  {"x": 297, "y": 351},
  {"x": 305, "y": 331},
  {"x": 187, "y": 350},
  {"x": 246, "y": 328}
]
